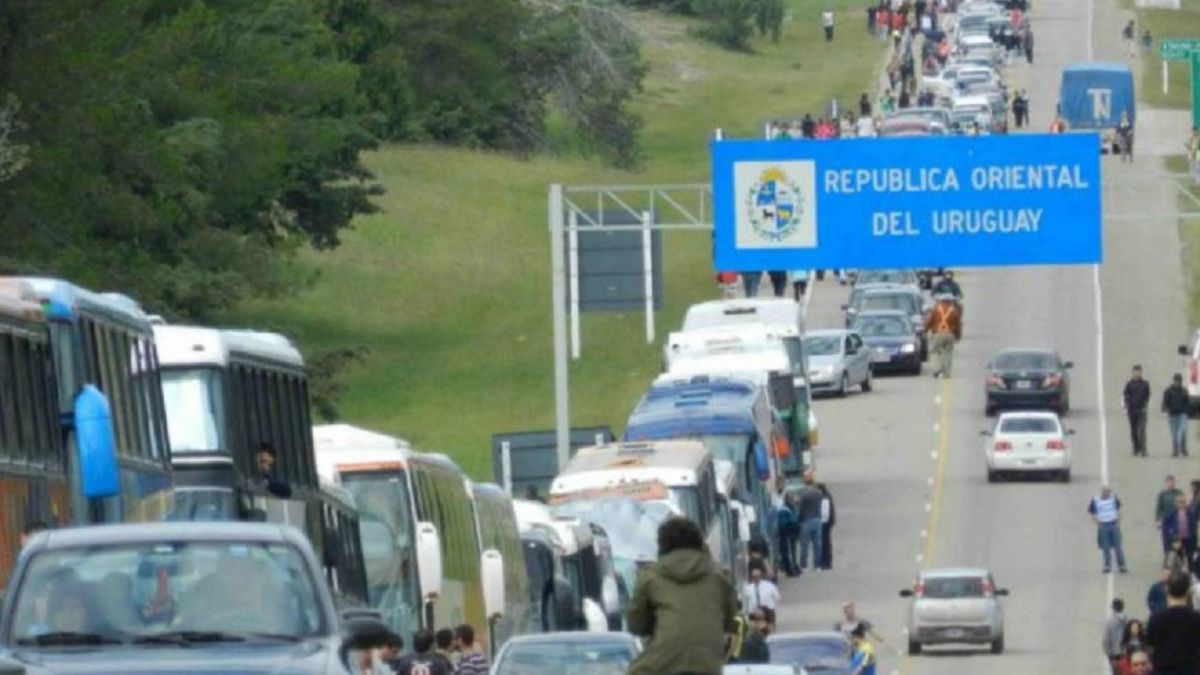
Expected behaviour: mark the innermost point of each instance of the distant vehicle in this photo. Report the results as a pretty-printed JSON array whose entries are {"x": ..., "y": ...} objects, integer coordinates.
[
  {"x": 909, "y": 128},
  {"x": 773, "y": 312},
  {"x": 837, "y": 361},
  {"x": 891, "y": 338},
  {"x": 585, "y": 558},
  {"x": 734, "y": 419},
  {"x": 761, "y": 669},
  {"x": 978, "y": 109},
  {"x": 903, "y": 298},
  {"x": 898, "y": 277},
  {"x": 496, "y": 527},
  {"x": 1027, "y": 443},
  {"x": 1191, "y": 354},
  {"x": 175, "y": 597},
  {"x": 567, "y": 653},
  {"x": 934, "y": 115},
  {"x": 817, "y": 651},
  {"x": 956, "y": 605},
  {"x": 1093, "y": 96},
  {"x": 1028, "y": 378},
  {"x": 420, "y": 542}
]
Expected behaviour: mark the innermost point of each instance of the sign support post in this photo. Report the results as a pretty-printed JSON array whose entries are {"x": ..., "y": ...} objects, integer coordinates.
[
  {"x": 1195, "y": 73},
  {"x": 562, "y": 393},
  {"x": 1166, "y": 79},
  {"x": 648, "y": 275},
  {"x": 573, "y": 271}
]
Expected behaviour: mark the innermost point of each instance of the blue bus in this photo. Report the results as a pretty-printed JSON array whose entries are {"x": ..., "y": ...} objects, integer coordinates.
[
  {"x": 734, "y": 420},
  {"x": 106, "y": 377}
]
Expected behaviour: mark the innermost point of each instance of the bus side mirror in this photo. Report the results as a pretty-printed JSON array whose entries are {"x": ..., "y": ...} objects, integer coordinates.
[
  {"x": 762, "y": 464},
  {"x": 743, "y": 523},
  {"x": 429, "y": 560},
  {"x": 96, "y": 444},
  {"x": 492, "y": 571}
]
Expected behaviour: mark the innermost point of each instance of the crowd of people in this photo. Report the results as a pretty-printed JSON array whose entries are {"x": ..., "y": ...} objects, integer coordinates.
[{"x": 444, "y": 652}]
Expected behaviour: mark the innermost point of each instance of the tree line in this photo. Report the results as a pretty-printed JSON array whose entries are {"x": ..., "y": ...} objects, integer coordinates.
[{"x": 185, "y": 150}]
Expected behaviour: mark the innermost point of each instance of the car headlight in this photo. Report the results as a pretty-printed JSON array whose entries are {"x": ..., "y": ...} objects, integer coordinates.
[{"x": 908, "y": 348}]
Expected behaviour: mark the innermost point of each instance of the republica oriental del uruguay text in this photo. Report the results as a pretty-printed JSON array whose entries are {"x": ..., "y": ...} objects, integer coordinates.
[{"x": 948, "y": 222}]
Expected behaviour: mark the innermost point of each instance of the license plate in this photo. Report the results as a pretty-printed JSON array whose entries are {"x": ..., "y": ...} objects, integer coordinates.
[
  {"x": 1029, "y": 462},
  {"x": 954, "y": 632},
  {"x": 877, "y": 357},
  {"x": 1024, "y": 384}
]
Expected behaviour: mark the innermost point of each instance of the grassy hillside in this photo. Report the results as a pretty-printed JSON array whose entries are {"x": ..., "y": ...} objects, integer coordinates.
[
  {"x": 449, "y": 286},
  {"x": 1168, "y": 23}
]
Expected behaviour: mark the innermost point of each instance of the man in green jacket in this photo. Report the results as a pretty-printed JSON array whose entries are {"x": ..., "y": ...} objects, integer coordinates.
[
  {"x": 683, "y": 605},
  {"x": 1164, "y": 506}
]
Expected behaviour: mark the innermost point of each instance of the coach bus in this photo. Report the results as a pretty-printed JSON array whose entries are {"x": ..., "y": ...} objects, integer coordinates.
[
  {"x": 420, "y": 539},
  {"x": 105, "y": 364},
  {"x": 33, "y": 480},
  {"x": 228, "y": 395},
  {"x": 496, "y": 526}
]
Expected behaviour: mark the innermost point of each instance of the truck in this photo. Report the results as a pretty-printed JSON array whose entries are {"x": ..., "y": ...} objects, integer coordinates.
[{"x": 1093, "y": 96}]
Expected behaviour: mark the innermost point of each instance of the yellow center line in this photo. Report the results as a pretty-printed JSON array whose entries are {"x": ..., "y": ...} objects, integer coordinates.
[{"x": 935, "y": 499}]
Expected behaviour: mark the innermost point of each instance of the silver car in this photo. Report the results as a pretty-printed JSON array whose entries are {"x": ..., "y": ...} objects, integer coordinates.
[
  {"x": 567, "y": 652},
  {"x": 837, "y": 361},
  {"x": 955, "y": 605}
]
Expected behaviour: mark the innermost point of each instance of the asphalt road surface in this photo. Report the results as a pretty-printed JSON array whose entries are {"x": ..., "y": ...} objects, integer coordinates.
[{"x": 906, "y": 463}]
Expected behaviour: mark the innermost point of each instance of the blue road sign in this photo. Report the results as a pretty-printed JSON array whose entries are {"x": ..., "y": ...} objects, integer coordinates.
[{"x": 948, "y": 201}]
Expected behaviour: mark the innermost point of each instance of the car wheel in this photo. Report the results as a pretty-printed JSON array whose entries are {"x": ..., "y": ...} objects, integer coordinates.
[
  {"x": 844, "y": 386},
  {"x": 1064, "y": 476},
  {"x": 989, "y": 410},
  {"x": 867, "y": 384},
  {"x": 998, "y": 645},
  {"x": 914, "y": 647},
  {"x": 993, "y": 477},
  {"x": 915, "y": 369}
]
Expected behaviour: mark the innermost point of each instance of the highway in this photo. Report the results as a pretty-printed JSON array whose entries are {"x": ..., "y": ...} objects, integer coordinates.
[{"x": 906, "y": 464}]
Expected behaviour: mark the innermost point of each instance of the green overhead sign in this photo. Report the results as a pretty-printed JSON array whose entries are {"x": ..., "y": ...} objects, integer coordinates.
[{"x": 1178, "y": 49}]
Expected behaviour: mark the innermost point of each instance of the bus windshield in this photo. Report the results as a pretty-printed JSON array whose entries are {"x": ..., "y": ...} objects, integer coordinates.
[
  {"x": 631, "y": 525},
  {"x": 195, "y": 409},
  {"x": 130, "y": 592},
  {"x": 389, "y": 545},
  {"x": 728, "y": 447}
]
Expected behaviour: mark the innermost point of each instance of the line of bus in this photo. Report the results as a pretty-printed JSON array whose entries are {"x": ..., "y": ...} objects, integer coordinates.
[{"x": 439, "y": 550}]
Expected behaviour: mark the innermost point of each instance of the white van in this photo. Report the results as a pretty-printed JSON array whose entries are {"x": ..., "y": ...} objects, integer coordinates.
[
  {"x": 774, "y": 312},
  {"x": 725, "y": 340}
]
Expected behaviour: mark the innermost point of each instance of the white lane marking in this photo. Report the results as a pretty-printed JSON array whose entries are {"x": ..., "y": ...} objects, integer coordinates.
[
  {"x": 929, "y": 481},
  {"x": 1100, "y": 399},
  {"x": 937, "y": 400},
  {"x": 932, "y": 455},
  {"x": 936, "y": 427},
  {"x": 924, "y": 533},
  {"x": 928, "y": 507}
]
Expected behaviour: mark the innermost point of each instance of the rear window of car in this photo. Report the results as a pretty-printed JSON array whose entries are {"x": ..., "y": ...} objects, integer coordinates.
[
  {"x": 1029, "y": 425},
  {"x": 898, "y": 301},
  {"x": 1026, "y": 361},
  {"x": 945, "y": 588}
]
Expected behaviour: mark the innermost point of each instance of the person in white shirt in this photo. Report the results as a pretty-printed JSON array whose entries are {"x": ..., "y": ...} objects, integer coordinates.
[
  {"x": 827, "y": 23},
  {"x": 865, "y": 127},
  {"x": 761, "y": 594}
]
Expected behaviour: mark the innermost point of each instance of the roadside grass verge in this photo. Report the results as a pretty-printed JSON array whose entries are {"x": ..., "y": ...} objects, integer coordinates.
[
  {"x": 449, "y": 286},
  {"x": 1167, "y": 23}
]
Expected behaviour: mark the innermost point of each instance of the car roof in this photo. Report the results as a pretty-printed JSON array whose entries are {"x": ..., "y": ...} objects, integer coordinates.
[
  {"x": 950, "y": 572},
  {"x": 150, "y": 533},
  {"x": 570, "y": 636},
  {"x": 1041, "y": 351},
  {"x": 891, "y": 289},
  {"x": 828, "y": 332},
  {"x": 807, "y": 635},
  {"x": 900, "y": 314},
  {"x": 1027, "y": 414}
]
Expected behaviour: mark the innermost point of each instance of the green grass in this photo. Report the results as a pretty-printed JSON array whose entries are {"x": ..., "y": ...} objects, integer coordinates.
[
  {"x": 449, "y": 287},
  {"x": 1189, "y": 241},
  {"x": 1165, "y": 23}
]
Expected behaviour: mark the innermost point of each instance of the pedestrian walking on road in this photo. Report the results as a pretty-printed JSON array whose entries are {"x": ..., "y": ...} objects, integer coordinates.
[
  {"x": 473, "y": 661},
  {"x": 1133, "y": 639},
  {"x": 683, "y": 603},
  {"x": 1027, "y": 44},
  {"x": 1020, "y": 109},
  {"x": 809, "y": 500},
  {"x": 750, "y": 283},
  {"x": 1059, "y": 125},
  {"x": 862, "y": 656},
  {"x": 864, "y": 105},
  {"x": 827, "y": 24},
  {"x": 778, "y": 282},
  {"x": 1127, "y": 35},
  {"x": 1147, "y": 42},
  {"x": 828, "y": 520},
  {"x": 1156, "y": 596},
  {"x": 1139, "y": 663},
  {"x": 851, "y": 622},
  {"x": 1136, "y": 399},
  {"x": 1172, "y": 633},
  {"x": 1125, "y": 137},
  {"x": 944, "y": 326},
  {"x": 754, "y": 647},
  {"x": 1106, "y": 511},
  {"x": 423, "y": 660},
  {"x": 871, "y": 10},
  {"x": 799, "y": 284},
  {"x": 1114, "y": 633},
  {"x": 786, "y": 530},
  {"x": 1176, "y": 403},
  {"x": 1164, "y": 504},
  {"x": 1178, "y": 526}
]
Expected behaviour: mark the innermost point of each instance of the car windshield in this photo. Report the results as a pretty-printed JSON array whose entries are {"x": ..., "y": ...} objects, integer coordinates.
[
  {"x": 570, "y": 657},
  {"x": 946, "y": 588},
  {"x": 824, "y": 345},
  {"x": 135, "y": 592},
  {"x": 811, "y": 654},
  {"x": 900, "y": 301},
  {"x": 632, "y": 525},
  {"x": 881, "y": 326},
  {"x": 1026, "y": 361},
  {"x": 886, "y": 277},
  {"x": 1028, "y": 425}
]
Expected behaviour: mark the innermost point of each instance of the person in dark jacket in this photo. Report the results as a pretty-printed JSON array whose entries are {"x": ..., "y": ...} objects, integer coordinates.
[
  {"x": 828, "y": 520},
  {"x": 1156, "y": 597},
  {"x": 1136, "y": 398},
  {"x": 267, "y": 478},
  {"x": 754, "y": 649},
  {"x": 1171, "y": 633},
  {"x": 1175, "y": 403},
  {"x": 683, "y": 605}
]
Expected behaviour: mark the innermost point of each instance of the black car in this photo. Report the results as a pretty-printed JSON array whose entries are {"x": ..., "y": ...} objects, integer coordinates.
[
  {"x": 816, "y": 652},
  {"x": 891, "y": 340},
  {"x": 1028, "y": 378},
  {"x": 175, "y": 598}
]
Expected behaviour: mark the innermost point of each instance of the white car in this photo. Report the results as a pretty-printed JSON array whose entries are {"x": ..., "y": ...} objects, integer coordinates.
[
  {"x": 955, "y": 605},
  {"x": 837, "y": 361},
  {"x": 1028, "y": 442}
]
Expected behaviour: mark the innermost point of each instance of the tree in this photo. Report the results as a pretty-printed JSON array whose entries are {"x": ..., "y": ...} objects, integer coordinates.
[
  {"x": 13, "y": 155},
  {"x": 182, "y": 151}
]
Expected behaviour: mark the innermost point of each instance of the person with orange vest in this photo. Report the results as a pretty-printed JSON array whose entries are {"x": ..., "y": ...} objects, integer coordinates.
[{"x": 944, "y": 326}]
